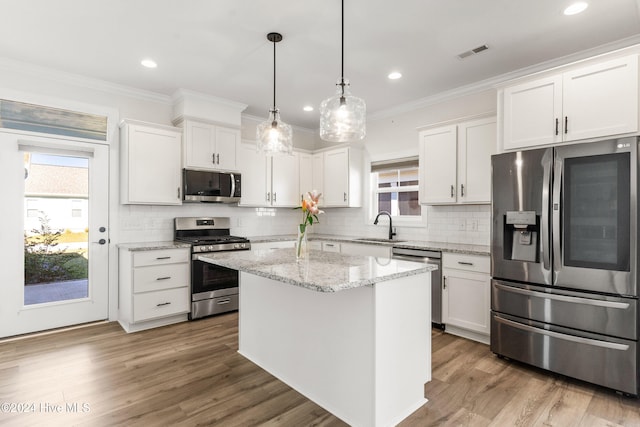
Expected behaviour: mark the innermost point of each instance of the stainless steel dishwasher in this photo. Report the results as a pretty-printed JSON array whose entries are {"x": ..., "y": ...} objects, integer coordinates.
[{"x": 429, "y": 257}]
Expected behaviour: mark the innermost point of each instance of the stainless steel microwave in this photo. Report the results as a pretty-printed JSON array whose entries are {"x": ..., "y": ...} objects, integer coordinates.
[{"x": 210, "y": 186}]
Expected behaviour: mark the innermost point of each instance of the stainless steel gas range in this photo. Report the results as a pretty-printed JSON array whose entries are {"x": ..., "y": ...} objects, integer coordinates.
[{"x": 214, "y": 289}]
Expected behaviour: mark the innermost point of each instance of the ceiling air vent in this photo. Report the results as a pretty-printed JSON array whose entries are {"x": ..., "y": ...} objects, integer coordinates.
[{"x": 473, "y": 51}]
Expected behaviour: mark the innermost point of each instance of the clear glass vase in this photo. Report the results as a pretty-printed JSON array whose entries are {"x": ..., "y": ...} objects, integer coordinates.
[{"x": 301, "y": 243}]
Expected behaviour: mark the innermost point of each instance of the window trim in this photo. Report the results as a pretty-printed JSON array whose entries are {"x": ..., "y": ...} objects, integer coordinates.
[{"x": 394, "y": 165}]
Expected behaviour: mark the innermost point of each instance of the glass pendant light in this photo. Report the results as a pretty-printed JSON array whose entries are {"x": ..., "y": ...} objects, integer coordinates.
[
  {"x": 342, "y": 117},
  {"x": 273, "y": 135}
]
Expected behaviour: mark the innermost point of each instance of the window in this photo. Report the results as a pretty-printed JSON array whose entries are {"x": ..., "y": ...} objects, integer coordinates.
[{"x": 395, "y": 188}]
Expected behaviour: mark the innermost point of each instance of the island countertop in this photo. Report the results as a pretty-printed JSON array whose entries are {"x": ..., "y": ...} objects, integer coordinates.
[{"x": 319, "y": 271}]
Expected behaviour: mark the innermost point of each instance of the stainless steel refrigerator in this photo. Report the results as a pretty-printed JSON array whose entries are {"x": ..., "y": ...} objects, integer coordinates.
[{"x": 564, "y": 259}]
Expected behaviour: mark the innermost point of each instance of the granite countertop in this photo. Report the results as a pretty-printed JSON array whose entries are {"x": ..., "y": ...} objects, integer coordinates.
[
  {"x": 320, "y": 271},
  {"x": 152, "y": 246},
  {"x": 407, "y": 244}
]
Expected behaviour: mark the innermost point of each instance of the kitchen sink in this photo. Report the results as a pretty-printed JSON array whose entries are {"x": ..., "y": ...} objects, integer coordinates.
[{"x": 373, "y": 239}]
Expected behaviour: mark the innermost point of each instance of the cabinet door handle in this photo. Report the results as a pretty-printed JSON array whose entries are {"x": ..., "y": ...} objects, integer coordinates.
[
  {"x": 345, "y": 197},
  {"x": 444, "y": 282},
  {"x": 461, "y": 190},
  {"x": 163, "y": 257},
  {"x": 224, "y": 301},
  {"x": 268, "y": 196},
  {"x": 453, "y": 189},
  {"x": 557, "y": 121},
  {"x": 178, "y": 193},
  {"x": 162, "y": 303},
  {"x": 465, "y": 263},
  {"x": 274, "y": 197},
  {"x": 566, "y": 124},
  {"x": 213, "y": 158},
  {"x": 218, "y": 158},
  {"x": 164, "y": 278}
]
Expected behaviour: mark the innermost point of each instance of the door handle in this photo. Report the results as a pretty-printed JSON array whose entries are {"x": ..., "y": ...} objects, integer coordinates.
[
  {"x": 573, "y": 338},
  {"x": 444, "y": 282},
  {"x": 218, "y": 158},
  {"x": 566, "y": 124},
  {"x": 213, "y": 158},
  {"x": 274, "y": 197},
  {"x": 461, "y": 190},
  {"x": 452, "y": 191},
  {"x": 102, "y": 229},
  {"x": 557, "y": 121},
  {"x": 162, "y": 303},
  {"x": 102, "y": 241},
  {"x": 345, "y": 197}
]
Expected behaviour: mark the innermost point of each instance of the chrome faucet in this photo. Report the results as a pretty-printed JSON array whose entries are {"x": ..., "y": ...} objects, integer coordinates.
[{"x": 375, "y": 222}]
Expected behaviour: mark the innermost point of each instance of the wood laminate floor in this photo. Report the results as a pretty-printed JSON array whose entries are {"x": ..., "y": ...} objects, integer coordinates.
[{"x": 190, "y": 374}]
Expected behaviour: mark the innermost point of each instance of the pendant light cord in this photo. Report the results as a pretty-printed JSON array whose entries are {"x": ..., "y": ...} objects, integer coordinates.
[
  {"x": 342, "y": 52},
  {"x": 274, "y": 80}
]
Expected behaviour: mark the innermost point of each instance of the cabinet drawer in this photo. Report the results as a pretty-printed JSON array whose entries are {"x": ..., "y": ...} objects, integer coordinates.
[
  {"x": 168, "y": 302},
  {"x": 163, "y": 256},
  {"x": 330, "y": 247},
  {"x": 476, "y": 263},
  {"x": 158, "y": 277}
]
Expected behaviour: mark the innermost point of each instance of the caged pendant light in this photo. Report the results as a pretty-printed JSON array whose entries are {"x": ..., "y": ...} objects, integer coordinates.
[
  {"x": 273, "y": 135},
  {"x": 342, "y": 116}
]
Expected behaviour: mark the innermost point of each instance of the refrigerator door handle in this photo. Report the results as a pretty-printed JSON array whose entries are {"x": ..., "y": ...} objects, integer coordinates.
[
  {"x": 581, "y": 340},
  {"x": 564, "y": 298},
  {"x": 556, "y": 210},
  {"x": 547, "y": 162}
]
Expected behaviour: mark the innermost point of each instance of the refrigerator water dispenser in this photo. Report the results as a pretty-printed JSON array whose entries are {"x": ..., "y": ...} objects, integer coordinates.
[{"x": 521, "y": 235}]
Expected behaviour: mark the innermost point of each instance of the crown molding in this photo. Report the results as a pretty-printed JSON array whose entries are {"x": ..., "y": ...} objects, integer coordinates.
[
  {"x": 46, "y": 73},
  {"x": 493, "y": 82}
]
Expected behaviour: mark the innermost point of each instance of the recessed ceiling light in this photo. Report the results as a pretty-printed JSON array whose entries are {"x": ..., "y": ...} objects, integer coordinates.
[
  {"x": 576, "y": 8},
  {"x": 307, "y": 108},
  {"x": 394, "y": 75},
  {"x": 149, "y": 63}
]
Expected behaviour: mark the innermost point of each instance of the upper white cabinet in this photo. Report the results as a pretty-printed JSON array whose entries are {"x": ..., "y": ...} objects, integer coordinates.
[
  {"x": 455, "y": 162},
  {"x": 317, "y": 172},
  {"x": 305, "y": 162},
  {"x": 267, "y": 180},
  {"x": 342, "y": 180},
  {"x": 150, "y": 171},
  {"x": 592, "y": 101},
  {"x": 209, "y": 147}
]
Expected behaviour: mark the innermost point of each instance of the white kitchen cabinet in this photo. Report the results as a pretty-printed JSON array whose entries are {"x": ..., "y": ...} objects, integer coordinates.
[
  {"x": 317, "y": 180},
  {"x": 466, "y": 288},
  {"x": 305, "y": 166},
  {"x": 588, "y": 102},
  {"x": 379, "y": 251},
  {"x": 455, "y": 162},
  {"x": 150, "y": 171},
  {"x": 153, "y": 287},
  {"x": 343, "y": 175},
  {"x": 209, "y": 147},
  {"x": 279, "y": 244},
  {"x": 268, "y": 180}
]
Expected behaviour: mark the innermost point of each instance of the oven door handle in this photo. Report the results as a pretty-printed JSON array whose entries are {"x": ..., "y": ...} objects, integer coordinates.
[{"x": 565, "y": 337}]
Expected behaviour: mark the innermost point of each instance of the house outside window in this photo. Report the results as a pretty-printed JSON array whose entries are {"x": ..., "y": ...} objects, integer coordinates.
[{"x": 394, "y": 187}]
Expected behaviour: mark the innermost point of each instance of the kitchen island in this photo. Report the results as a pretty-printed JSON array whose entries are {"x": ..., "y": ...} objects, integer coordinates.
[{"x": 351, "y": 333}]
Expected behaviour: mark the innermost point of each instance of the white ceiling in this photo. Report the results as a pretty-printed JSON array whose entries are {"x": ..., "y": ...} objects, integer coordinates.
[{"x": 219, "y": 47}]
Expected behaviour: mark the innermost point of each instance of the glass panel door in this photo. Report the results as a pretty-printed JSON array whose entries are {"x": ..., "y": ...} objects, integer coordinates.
[
  {"x": 596, "y": 212},
  {"x": 55, "y": 239}
]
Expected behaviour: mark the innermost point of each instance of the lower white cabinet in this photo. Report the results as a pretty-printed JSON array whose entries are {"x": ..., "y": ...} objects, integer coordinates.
[
  {"x": 466, "y": 289},
  {"x": 366, "y": 250},
  {"x": 279, "y": 244},
  {"x": 153, "y": 287}
]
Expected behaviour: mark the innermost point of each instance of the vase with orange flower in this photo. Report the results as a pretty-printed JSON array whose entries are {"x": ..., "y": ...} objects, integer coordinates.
[{"x": 310, "y": 212}]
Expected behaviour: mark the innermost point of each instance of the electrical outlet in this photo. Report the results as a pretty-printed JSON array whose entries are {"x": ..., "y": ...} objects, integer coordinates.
[{"x": 472, "y": 224}]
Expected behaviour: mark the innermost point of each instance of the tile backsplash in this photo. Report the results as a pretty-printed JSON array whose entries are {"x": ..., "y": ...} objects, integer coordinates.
[{"x": 468, "y": 224}]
